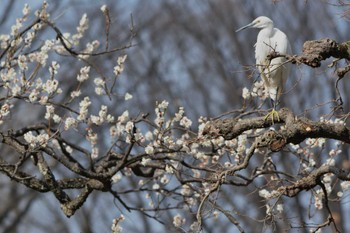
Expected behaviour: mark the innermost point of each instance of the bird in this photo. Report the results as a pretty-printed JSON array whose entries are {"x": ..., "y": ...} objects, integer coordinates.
[{"x": 275, "y": 72}]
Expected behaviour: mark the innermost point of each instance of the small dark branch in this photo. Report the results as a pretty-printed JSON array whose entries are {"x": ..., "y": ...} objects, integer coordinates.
[
  {"x": 108, "y": 25},
  {"x": 72, "y": 183},
  {"x": 342, "y": 71},
  {"x": 311, "y": 181},
  {"x": 50, "y": 179},
  {"x": 14, "y": 143},
  {"x": 69, "y": 208},
  {"x": 76, "y": 168},
  {"x": 330, "y": 218},
  {"x": 64, "y": 43},
  {"x": 339, "y": 99},
  {"x": 229, "y": 216},
  {"x": 137, "y": 170},
  {"x": 24, "y": 130},
  {"x": 115, "y": 194},
  {"x": 322, "y": 225},
  {"x": 5, "y": 51},
  {"x": 22, "y": 177},
  {"x": 220, "y": 180}
]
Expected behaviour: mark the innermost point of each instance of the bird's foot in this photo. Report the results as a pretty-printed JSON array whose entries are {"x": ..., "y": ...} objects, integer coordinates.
[{"x": 272, "y": 115}]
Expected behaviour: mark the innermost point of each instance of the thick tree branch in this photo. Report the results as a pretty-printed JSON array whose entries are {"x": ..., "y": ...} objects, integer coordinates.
[
  {"x": 315, "y": 51},
  {"x": 311, "y": 181},
  {"x": 295, "y": 131}
]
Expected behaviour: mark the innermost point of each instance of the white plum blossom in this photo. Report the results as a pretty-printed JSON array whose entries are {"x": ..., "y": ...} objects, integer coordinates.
[
  {"x": 155, "y": 186},
  {"x": 92, "y": 137},
  {"x": 124, "y": 117},
  {"x": 83, "y": 26},
  {"x": 264, "y": 194},
  {"x": 164, "y": 179},
  {"x": 128, "y": 96},
  {"x": 22, "y": 62},
  {"x": 40, "y": 140},
  {"x": 318, "y": 199},
  {"x": 179, "y": 114},
  {"x": 30, "y": 138},
  {"x": 116, "y": 228},
  {"x": 216, "y": 214},
  {"x": 178, "y": 220},
  {"x": 27, "y": 39},
  {"x": 103, "y": 8},
  {"x": 145, "y": 161},
  {"x": 149, "y": 150},
  {"x": 169, "y": 169},
  {"x": 113, "y": 131},
  {"x": 9, "y": 75},
  {"x": 75, "y": 94},
  {"x": 16, "y": 89},
  {"x": 160, "y": 109},
  {"x": 330, "y": 162},
  {"x": 26, "y": 10},
  {"x": 186, "y": 190},
  {"x": 259, "y": 90},
  {"x": 96, "y": 120},
  {"x": 185, "y": 122},
  {"x": 50, "y": 86},
  {"x": 5, "y": 109},
  {"x": 110, "y": 118},
  {"x": 279, "y": 208},
  {"x": 245, "y": 93},
  {"x": 4, "y": 41},
  {"x": 102, "y": 115},
  {"x": 129, "y": 127},
  {"x": 94, "y": 153},
  {"x": 163, "y": 105},
  {"x": 117, "y": 177},
  {"x": 90, "y": 47},
  {"x": 103, "y": 112},
  {"x": 69, "y": 123},
  {"x": 49, "y": 111},
  {"x": 43, "y": 100},
  {"x": 83, "y": 108},
  {"x": 99, "y": 83},
  {"x": 69, "y": 149},
  {"x": 119, "y": 68},
  {"x": 149, "y": 136},
  {"x": 53, "y": 69},
  {"x": 345, "y": 185},
  {"x": 340, "y": 194},
  {"x": 83, "y": 74}
]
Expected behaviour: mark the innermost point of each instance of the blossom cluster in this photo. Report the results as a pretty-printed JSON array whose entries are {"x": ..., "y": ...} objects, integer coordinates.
[{"x": 258, "y": 90}]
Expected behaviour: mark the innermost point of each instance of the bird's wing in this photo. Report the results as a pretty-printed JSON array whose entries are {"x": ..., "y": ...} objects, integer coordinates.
[
  {"x": 280, "y": 42},
  {"x": 282, "y": 46}
]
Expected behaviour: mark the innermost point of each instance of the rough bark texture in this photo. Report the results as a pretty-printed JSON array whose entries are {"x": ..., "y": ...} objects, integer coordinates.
[{"x": 295, "y": 129}]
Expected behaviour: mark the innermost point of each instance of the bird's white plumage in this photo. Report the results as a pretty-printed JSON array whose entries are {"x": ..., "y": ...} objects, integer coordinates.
[{"x": 275, "y": 72}]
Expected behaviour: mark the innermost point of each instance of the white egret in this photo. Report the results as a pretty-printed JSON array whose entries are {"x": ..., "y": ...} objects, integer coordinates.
[{"x": 273, "y": 72}]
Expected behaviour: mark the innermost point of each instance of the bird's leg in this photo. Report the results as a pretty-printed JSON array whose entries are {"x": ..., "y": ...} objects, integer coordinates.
[{"x": 273, "y": 112}]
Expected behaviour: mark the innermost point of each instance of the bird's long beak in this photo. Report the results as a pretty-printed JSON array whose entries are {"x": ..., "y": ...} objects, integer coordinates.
[{"x": 246, "y": 26}]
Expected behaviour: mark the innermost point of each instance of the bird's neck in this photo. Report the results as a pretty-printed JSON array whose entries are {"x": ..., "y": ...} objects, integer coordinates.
[{"x": 267, "y": 31}]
